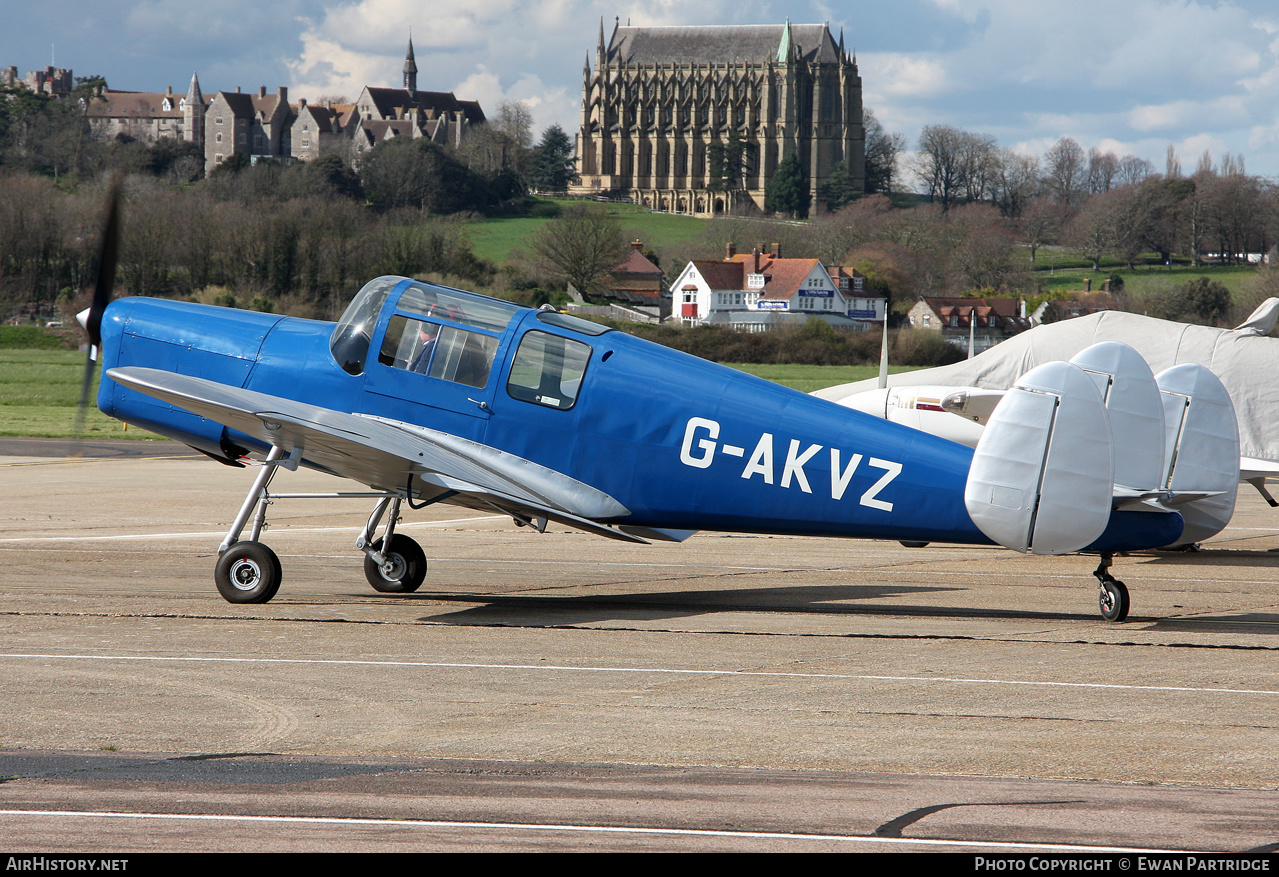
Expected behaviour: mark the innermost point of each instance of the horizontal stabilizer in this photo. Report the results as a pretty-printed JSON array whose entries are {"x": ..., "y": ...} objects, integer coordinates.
[{"x": 1042, "y": 474}]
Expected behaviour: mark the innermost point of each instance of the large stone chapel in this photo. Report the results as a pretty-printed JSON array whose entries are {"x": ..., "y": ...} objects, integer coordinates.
[{"x": 660, "y": 97}]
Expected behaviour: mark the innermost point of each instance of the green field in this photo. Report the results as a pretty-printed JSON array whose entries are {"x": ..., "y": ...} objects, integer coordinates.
[
  {"x": 498, "y": 239},
  {"x": 39, "y": 390},
  {"x": 1063, "y": 272},
  {"x": 808, "y": 378}
]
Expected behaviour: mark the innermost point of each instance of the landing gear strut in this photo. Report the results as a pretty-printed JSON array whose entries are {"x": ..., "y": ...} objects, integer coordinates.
[
  {"x": 1113, "y": 597},
  {"x": 400, "y": 567},
  {"x": 249, "y": 572}
]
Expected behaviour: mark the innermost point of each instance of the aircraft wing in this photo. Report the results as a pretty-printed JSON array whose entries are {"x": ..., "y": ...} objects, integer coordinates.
[{"x": 390, "y": 455}]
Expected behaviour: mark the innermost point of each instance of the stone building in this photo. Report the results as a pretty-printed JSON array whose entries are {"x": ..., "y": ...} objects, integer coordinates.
[
  {"x": 440, "y": 116},
  {"x": 659, "y": 98},
  {"x": 149, "y": 116},
  {"x": 252, "y": 124},
  {"x": 319, "y": 129},
  {"x": 986, "y": 321},
  {"x": 56, "y": 81}
]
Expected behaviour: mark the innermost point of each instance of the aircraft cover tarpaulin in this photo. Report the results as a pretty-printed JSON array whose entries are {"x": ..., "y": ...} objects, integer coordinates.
[{"x": 1246, "y": 362}]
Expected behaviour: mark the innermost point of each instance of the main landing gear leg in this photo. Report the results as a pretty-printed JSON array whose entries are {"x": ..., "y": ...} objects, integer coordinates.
[
  {"x": 1113, "y": 597},
  {"x": 393, "y": 563},
  {"x": 249, "y": 572}
]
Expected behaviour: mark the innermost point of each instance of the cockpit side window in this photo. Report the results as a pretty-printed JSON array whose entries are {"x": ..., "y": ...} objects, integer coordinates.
[
  {"x": 445, "y": 352},
  {"x": 548, "y": 370}
]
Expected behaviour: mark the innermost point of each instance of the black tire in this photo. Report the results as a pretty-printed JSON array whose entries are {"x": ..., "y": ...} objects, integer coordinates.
[
  {"x": 408, "y": 562},
  {"x": 1113, "y": 600},
  {"x": 248, "y": 572}
]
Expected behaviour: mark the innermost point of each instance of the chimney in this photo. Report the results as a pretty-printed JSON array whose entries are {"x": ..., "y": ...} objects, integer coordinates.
[
  {"x": 261, "y": 91},
  {"x": 301, "y": 104},
  {"x": 284, "y": 94},
  {"x": 755, "y": 253},
  {"x": 237, "y": 89},
  {"x": 730, "y": 250},
  {"x": 1087, "y": 284},
  {"x": 637, "y": 246},
  {"x": 168, "y": 89},
  {"x": 776, "y": 251}
]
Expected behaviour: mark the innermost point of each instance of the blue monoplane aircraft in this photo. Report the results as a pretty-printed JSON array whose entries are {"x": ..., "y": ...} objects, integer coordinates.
[{"x": 427, "y": 394}]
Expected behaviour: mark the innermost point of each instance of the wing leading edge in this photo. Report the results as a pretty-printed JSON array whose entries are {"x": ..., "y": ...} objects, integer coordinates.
[{"x": 388, "y": 455}]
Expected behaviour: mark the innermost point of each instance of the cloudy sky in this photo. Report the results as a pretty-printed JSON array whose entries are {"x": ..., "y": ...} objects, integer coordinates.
[{"x": 1122, "y": 75}]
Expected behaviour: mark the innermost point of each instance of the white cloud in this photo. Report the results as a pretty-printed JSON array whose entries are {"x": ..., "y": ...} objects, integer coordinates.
[{"x": 898, "y": 75}]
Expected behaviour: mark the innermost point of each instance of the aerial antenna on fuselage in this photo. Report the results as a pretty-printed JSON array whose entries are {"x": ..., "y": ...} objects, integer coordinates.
[{"x": 883, "y": 351}]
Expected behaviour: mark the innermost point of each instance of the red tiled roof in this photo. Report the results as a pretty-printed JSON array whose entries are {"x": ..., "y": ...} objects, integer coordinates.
[
  {"x": 635, "y": 263},
  {"x": 722, "y": 275},
  {"x": 784, "y": 275}
]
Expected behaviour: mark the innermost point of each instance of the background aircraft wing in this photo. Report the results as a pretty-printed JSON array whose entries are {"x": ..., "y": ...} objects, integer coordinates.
[{"x": 390, "y": 455}]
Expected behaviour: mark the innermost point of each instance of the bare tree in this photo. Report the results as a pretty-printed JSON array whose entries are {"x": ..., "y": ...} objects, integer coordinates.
[
  {"x": 1103, "y": 168},
  {"x": 955, "y": 165},
  {"x": 882, "y": 151},
  {"x": 1041, "y": 224},
  {"x": 579, "y": 247},
  {"x": 1015, "y": 182},
  {"x": 1132, "y": 170},
  {"x": 1065, "y": 172}
]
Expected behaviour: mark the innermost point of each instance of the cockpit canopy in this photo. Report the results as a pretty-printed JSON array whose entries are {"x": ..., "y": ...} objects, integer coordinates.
[{"x": 353, "y": 334}]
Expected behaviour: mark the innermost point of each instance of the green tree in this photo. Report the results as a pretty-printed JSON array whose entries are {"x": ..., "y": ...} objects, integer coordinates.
[
  {"x": 1202, "y": 300},
  {"x": 840, "y": 188},
  {"x": 787, "y": 191},
  {"x": 553, "y": 161},
  {"x": 726, "y": 160},
  {"x": 417, "y": 173}
]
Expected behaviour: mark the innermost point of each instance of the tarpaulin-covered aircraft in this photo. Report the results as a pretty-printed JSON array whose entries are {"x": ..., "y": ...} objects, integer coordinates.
[
  {"x": 427, "y": 394},
  {"x": 956, "y": 401}
]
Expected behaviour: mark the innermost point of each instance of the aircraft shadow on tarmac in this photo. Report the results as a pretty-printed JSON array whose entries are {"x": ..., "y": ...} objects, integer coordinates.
[
  {"x": 542, "y": 610},
  {"x": 1210, "y": 557},
  {"x": 1254, "y": 623}
]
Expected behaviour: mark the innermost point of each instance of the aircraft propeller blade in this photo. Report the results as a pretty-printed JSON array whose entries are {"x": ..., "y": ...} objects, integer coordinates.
[{"x": 91, "y": 318}]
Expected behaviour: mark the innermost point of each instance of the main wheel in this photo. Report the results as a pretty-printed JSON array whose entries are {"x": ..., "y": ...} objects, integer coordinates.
[
  {"x": 404, "y": 570},
  {"x": 1113, "y": 600},
  {"x": 248, "y": 572}
]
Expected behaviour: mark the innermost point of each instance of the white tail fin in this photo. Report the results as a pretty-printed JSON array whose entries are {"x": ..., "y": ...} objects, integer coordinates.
[
  {"x": 1043, "y": 472},
  {"x": 1136, "y": 412},
  {"x": 1201, "y": 447}
]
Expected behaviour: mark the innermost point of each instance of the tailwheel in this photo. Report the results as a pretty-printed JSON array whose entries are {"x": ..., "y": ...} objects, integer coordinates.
[
  {"x": 248, "y": 572},
  {"x": 1113, "y": 597},
  {"x": 404, "y": 569},
  {"x": 1113, "y": 600}
]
